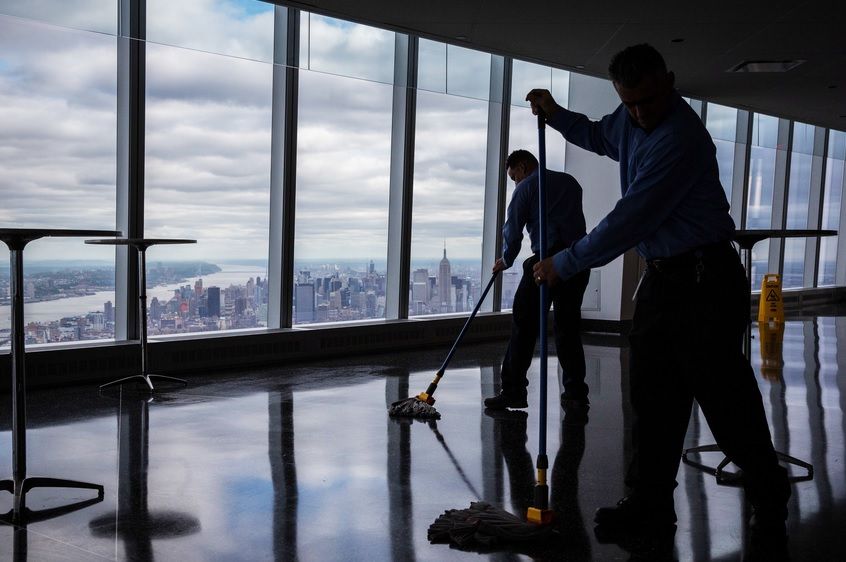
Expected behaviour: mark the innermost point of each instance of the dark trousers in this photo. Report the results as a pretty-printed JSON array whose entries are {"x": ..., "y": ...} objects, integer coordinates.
[
  {"x": 525, "y": 324},
  {"x": 686, "y": 344}
]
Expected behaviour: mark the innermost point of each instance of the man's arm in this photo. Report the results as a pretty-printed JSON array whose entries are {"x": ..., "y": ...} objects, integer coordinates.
[
  {"x": 515, "y": 220},
  {"x": 664, "y": 179},
  {"x": 600, "y": 137}
]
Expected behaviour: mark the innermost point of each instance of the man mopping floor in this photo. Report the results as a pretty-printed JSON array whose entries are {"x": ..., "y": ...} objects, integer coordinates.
[
  {"x": 565, "y": 225},
  {"x": 675, "y": 211}
]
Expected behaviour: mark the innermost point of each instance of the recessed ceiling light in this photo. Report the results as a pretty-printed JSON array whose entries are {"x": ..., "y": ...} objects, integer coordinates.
[
  {"x": 766, "y": 65},
  {"x": 677, "y": 40},
  {"x": 832, "y": 86},
  {"x": 580, "y": 66},
  {"x": 461, "y": 37}
]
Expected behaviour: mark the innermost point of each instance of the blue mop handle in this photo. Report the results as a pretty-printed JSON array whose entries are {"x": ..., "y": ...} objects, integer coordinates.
[{"x": 543, "y": 287}]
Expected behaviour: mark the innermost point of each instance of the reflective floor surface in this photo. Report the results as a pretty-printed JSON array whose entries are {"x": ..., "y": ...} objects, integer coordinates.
[{"x": 302, "y": 462}]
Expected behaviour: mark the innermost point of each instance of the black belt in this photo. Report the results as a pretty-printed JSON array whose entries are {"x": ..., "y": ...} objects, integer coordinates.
[{"x": 690, "y": 259}]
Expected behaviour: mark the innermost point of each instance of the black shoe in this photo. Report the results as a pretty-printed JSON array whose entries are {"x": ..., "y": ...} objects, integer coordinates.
[
  {"x": 507, "y": 400},
  {"x": 634, "y": 514},
  {"x": 506, "y": 415}
]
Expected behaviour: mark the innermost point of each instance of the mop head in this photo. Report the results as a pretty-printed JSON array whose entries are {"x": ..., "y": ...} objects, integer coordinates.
[
  {"x": 413, "y": 408},
  {"x": 483, "y": 526}
]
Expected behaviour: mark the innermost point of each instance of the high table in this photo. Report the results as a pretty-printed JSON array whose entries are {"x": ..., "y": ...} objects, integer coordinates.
[
  {"x": 746, "y": 240},
  {"x": 141, "y": 245},
  {"x": 16, "y": 239}
]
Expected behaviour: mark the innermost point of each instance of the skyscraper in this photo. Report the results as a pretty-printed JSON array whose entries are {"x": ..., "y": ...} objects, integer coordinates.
[
  {"x": 304, "y": 303},
  {"x": 444, "y": 284},
  {"x": 213, "y": 304},
  {"x": 155, "y": 310},
  {"x": 109, "y": 311},
  {"x": 420, "y": 284}
]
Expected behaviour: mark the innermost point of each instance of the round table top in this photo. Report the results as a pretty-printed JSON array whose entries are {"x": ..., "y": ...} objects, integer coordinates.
[
  {"x": 140, "y": 241},
  {"x": 748, "y": 238},
  {"x": 35, "y": 233}
]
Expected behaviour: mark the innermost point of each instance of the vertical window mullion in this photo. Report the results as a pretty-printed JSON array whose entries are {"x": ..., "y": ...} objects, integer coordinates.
[
  {"x": 131, "y": 84},
  {"x": 740, "y": 176},
  {"x": 780, "y": 188},
  {"x": 402, "y": 177},
  {"x": 495, "y": 182},
  {"x": 283, "y": 165},
  {"x": 815, "y": 206}
]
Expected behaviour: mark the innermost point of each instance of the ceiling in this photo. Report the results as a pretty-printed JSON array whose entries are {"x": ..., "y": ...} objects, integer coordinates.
[{"x": 716, "y": 35}]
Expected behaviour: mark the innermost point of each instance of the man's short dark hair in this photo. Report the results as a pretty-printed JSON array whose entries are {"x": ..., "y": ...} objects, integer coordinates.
[
  {"x": 632, "y": 64},
  {"x": 521, "y": 157}
]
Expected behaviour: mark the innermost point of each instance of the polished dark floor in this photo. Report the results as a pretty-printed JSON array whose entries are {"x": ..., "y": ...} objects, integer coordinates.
[{"x": 302, "y": 462}]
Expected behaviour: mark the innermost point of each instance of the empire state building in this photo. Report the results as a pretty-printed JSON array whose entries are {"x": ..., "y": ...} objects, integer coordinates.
[{"x": 444, "y": 284}]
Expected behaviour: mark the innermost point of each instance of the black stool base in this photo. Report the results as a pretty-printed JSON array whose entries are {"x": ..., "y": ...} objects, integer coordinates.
[{"x": 728, "y": 478}]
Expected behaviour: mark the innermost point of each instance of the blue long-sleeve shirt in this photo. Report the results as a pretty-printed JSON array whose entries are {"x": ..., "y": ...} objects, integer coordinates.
[
  {"x": 672, "y": 198},
  {"x": 565, "y": 221}
]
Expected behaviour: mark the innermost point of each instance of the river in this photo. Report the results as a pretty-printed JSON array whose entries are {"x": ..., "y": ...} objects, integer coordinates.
[{"x": 47, "y": 311}]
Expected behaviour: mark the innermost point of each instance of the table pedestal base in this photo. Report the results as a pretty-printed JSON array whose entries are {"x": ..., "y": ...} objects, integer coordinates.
[{"x": 146, "y": 378}]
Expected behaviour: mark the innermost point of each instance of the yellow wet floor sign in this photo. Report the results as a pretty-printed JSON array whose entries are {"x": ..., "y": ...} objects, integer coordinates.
[{"x": 770, "y": 306}]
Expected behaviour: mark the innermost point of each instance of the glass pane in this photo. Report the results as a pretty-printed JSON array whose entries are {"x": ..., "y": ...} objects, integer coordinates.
[
  {"x": 349, "y": 49},
  {"x": 431, "y": 66},
  {"x": 722, "y": 122},
  {"x": 798, "y": 196},
  {"x": 523, "y": 134},
  {"x": 343, "y": 180},
  {"x": 722, "y": 125},
  {"x": 240, "y": 28},
  {"x": 449, "y": 188},
  {"x": 89, "y": 15},
  {"x": 58, "y": 107},
  {"x": 761, "y": 183},
  {"x": 527, "y": 76},
  {"x": 468, "y": 73},
  {"x": 207, "y": 173},
  {"x": 832, "y": 193}
]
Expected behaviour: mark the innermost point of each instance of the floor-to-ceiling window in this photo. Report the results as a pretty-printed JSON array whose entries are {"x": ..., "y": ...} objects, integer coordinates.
[
  {"x": 832, "y": 194},
  {"x": 58, "y": 109},
  {"x": 761, "y": 182},
  {"x": 343, "y": 170},
  {"x": 721, "y": 122},
  {"x": 449, "y": 179},
  {"x": 207, "y": 163},
  {"x": 523, "y": 134},
  {"x": 798, "y": 198}
]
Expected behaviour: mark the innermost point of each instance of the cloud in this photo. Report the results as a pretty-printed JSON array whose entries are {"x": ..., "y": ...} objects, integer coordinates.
[{"x": 208, "y": 132}]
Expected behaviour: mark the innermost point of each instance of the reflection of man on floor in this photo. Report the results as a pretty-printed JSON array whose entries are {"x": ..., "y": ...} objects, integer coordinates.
[{"x": 511, "y": 433}]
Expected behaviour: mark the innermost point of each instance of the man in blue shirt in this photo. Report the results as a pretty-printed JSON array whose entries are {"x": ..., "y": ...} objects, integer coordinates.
[
  {"x": 565, "y": 225},
  {"x": 693, "y": 302}
]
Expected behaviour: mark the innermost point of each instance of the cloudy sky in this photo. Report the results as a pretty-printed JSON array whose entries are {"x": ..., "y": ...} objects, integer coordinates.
[{"x": 208, "y": 116}]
